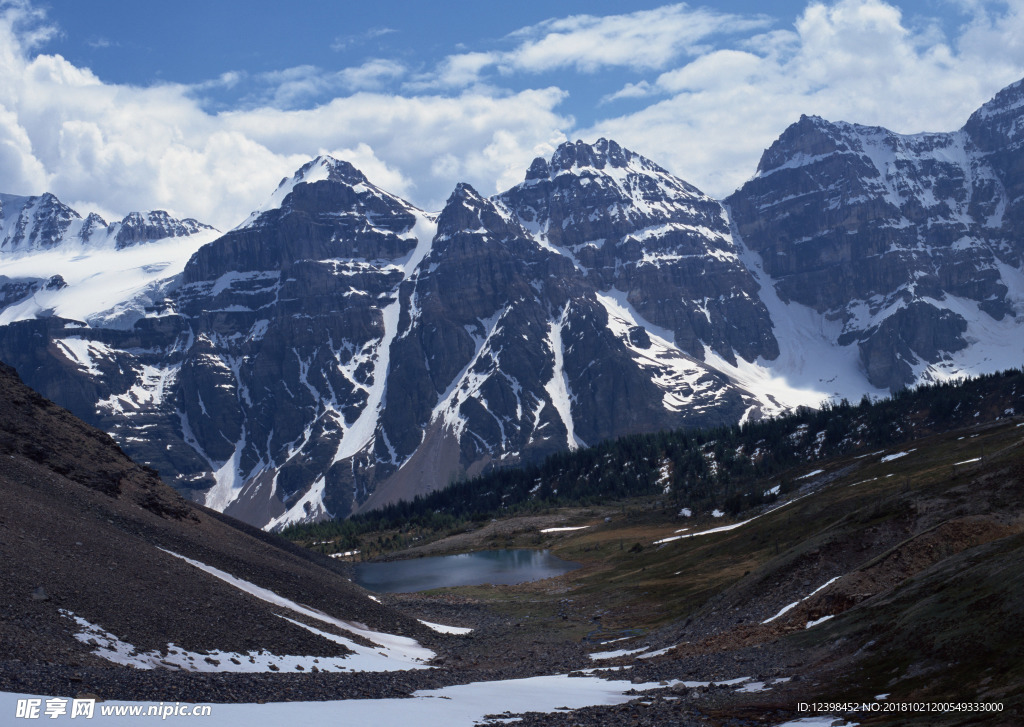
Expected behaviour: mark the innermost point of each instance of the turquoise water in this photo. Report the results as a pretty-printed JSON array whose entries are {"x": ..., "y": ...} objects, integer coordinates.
[{"x": 500, "y": 567}]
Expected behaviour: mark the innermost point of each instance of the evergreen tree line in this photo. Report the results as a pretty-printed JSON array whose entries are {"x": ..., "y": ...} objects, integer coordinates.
[{"x": 723, "y": 468}]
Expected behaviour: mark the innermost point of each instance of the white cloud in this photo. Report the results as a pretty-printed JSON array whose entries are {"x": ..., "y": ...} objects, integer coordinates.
[
  {"x": 642, "y": 40},
  {"x": 296, "y": 86},
  {"x": 20, "y": 167},
  {"x": 715, "y": 90},
  {"x": 641, "y": 89},
  {"x": 647, "y": 39},
  {"x": 371, "y": 74},
  {"x": 996, "y": 36},
  {"x": 458, "y": 71},
  {"x": 120, "y": 148},
  {"x": 343, "y": 42},
  {"x": 435, "y": 141}
]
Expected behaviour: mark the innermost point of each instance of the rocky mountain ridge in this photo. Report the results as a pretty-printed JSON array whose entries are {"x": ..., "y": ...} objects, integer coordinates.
[
  {"x": 341, "y": 348},
  {"x": 31, "y": 224},
  {"x": 908, "y": 243}
]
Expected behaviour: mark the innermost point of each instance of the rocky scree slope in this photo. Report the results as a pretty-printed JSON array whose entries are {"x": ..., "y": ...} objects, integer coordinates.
[{"x": 89, "y": 537}]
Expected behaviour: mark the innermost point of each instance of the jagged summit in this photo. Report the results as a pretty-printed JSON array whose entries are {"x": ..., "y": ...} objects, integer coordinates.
[
  {"x": 327, "y": 209},
  {"x": 1007, "y": 101},
  {"x": 326, "y": 184},
  {"x": 336, "y": 170},
  {"x": 141, "y": 227},
  {"x": 467, "y": 211},
  {"x": 638, "y": 231},
  {"x": 602, "y": 154},
  {"x": 42, "y": 240},
  {"x": 903, "y": 240},
  {"x": 603, "y": 158},
  {"x": 810, "y": 136},
  {"x": 34, "y": 224}
]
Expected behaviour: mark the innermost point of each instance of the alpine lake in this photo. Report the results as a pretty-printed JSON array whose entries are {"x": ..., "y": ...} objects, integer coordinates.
[{"x": 498, "y": 567}]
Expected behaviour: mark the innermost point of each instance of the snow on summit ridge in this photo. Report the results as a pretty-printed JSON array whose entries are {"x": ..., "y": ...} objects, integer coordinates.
[
  {"x": 55, "y": 263},
  {"x": 362, "y": 193}
]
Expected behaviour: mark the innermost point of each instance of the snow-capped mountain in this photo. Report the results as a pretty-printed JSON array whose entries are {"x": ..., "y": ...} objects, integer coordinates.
[
  {"x": 908, "y": 245},
  {"x": 32, "y": 224},
  {"x": 341, "y": 348},
  {"x": 645, "y": 236},
  {"x": 54, "y": 262},
  {"x": 38, "y": 223}
]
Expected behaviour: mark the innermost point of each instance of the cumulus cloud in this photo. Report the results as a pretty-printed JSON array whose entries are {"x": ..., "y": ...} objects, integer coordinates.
[
  {"x": 641, "y": 40},
  {"x": 294, "y": 87},
  {"x": 434, "y": 140},
  {"x": 119, "y": 148}
]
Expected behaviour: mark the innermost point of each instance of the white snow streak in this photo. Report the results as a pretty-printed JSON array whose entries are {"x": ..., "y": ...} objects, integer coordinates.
[
  {"x": 399, "y": 652},
  {"x": 361, "y": 433},
  {"x": 558, "y": 386}
]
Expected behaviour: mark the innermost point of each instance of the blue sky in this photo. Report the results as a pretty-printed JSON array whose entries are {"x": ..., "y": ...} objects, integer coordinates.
[{"x": 201, "y": 107}]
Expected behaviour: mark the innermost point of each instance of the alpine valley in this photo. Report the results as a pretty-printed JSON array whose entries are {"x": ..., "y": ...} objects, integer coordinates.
[{"x": 341, "y": 349}]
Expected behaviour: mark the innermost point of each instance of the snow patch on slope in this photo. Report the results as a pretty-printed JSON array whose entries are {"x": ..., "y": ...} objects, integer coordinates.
[
  {"x": 105, "y": 286},
  {"x": 811, "y": 367},
  {"x": 679, "y": 377},
  {"x": 558, "y": 386},
  {"x": 110, "y": 647},
  {"x": 362, "y": 431},
  {"x": 401, "y": 652},
  {"x": 463, "y": 705}
]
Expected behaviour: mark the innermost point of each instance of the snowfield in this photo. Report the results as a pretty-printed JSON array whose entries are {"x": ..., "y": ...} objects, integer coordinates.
[{"x": 463, "y": 705}]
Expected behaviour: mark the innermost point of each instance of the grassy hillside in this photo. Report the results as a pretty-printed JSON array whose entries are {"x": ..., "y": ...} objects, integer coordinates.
[{"x": 910, "y": 558}]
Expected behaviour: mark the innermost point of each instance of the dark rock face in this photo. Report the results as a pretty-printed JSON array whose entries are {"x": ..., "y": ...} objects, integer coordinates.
[
  {"x": 632, "y": 226},
  {"x": 14, "y": 289},
  {"x": 885, "y": 233},
  {"x": 333, "y": 332},
  {"x": 508, "y": 345},
  {"x": 310, "y": 362},
  {"x": 997, "y": 140}
]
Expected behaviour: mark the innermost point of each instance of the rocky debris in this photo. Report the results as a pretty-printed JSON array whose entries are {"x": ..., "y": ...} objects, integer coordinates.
[{"x": 83, "y": 536}]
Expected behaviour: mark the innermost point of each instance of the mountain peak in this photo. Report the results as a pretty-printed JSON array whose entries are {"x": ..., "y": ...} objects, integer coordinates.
[
  {"x": 1008, "y": 100},
  {"x": 141, "y": 227},
  {"x": 467, "y": 210},
  {"x": 809, "y": 136},
  {"x": 33, "y": 223},
  {"x": 603, "y": 155},
  {"x": 327, "y": 168},
  {"x": 351, "y": 189}
]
